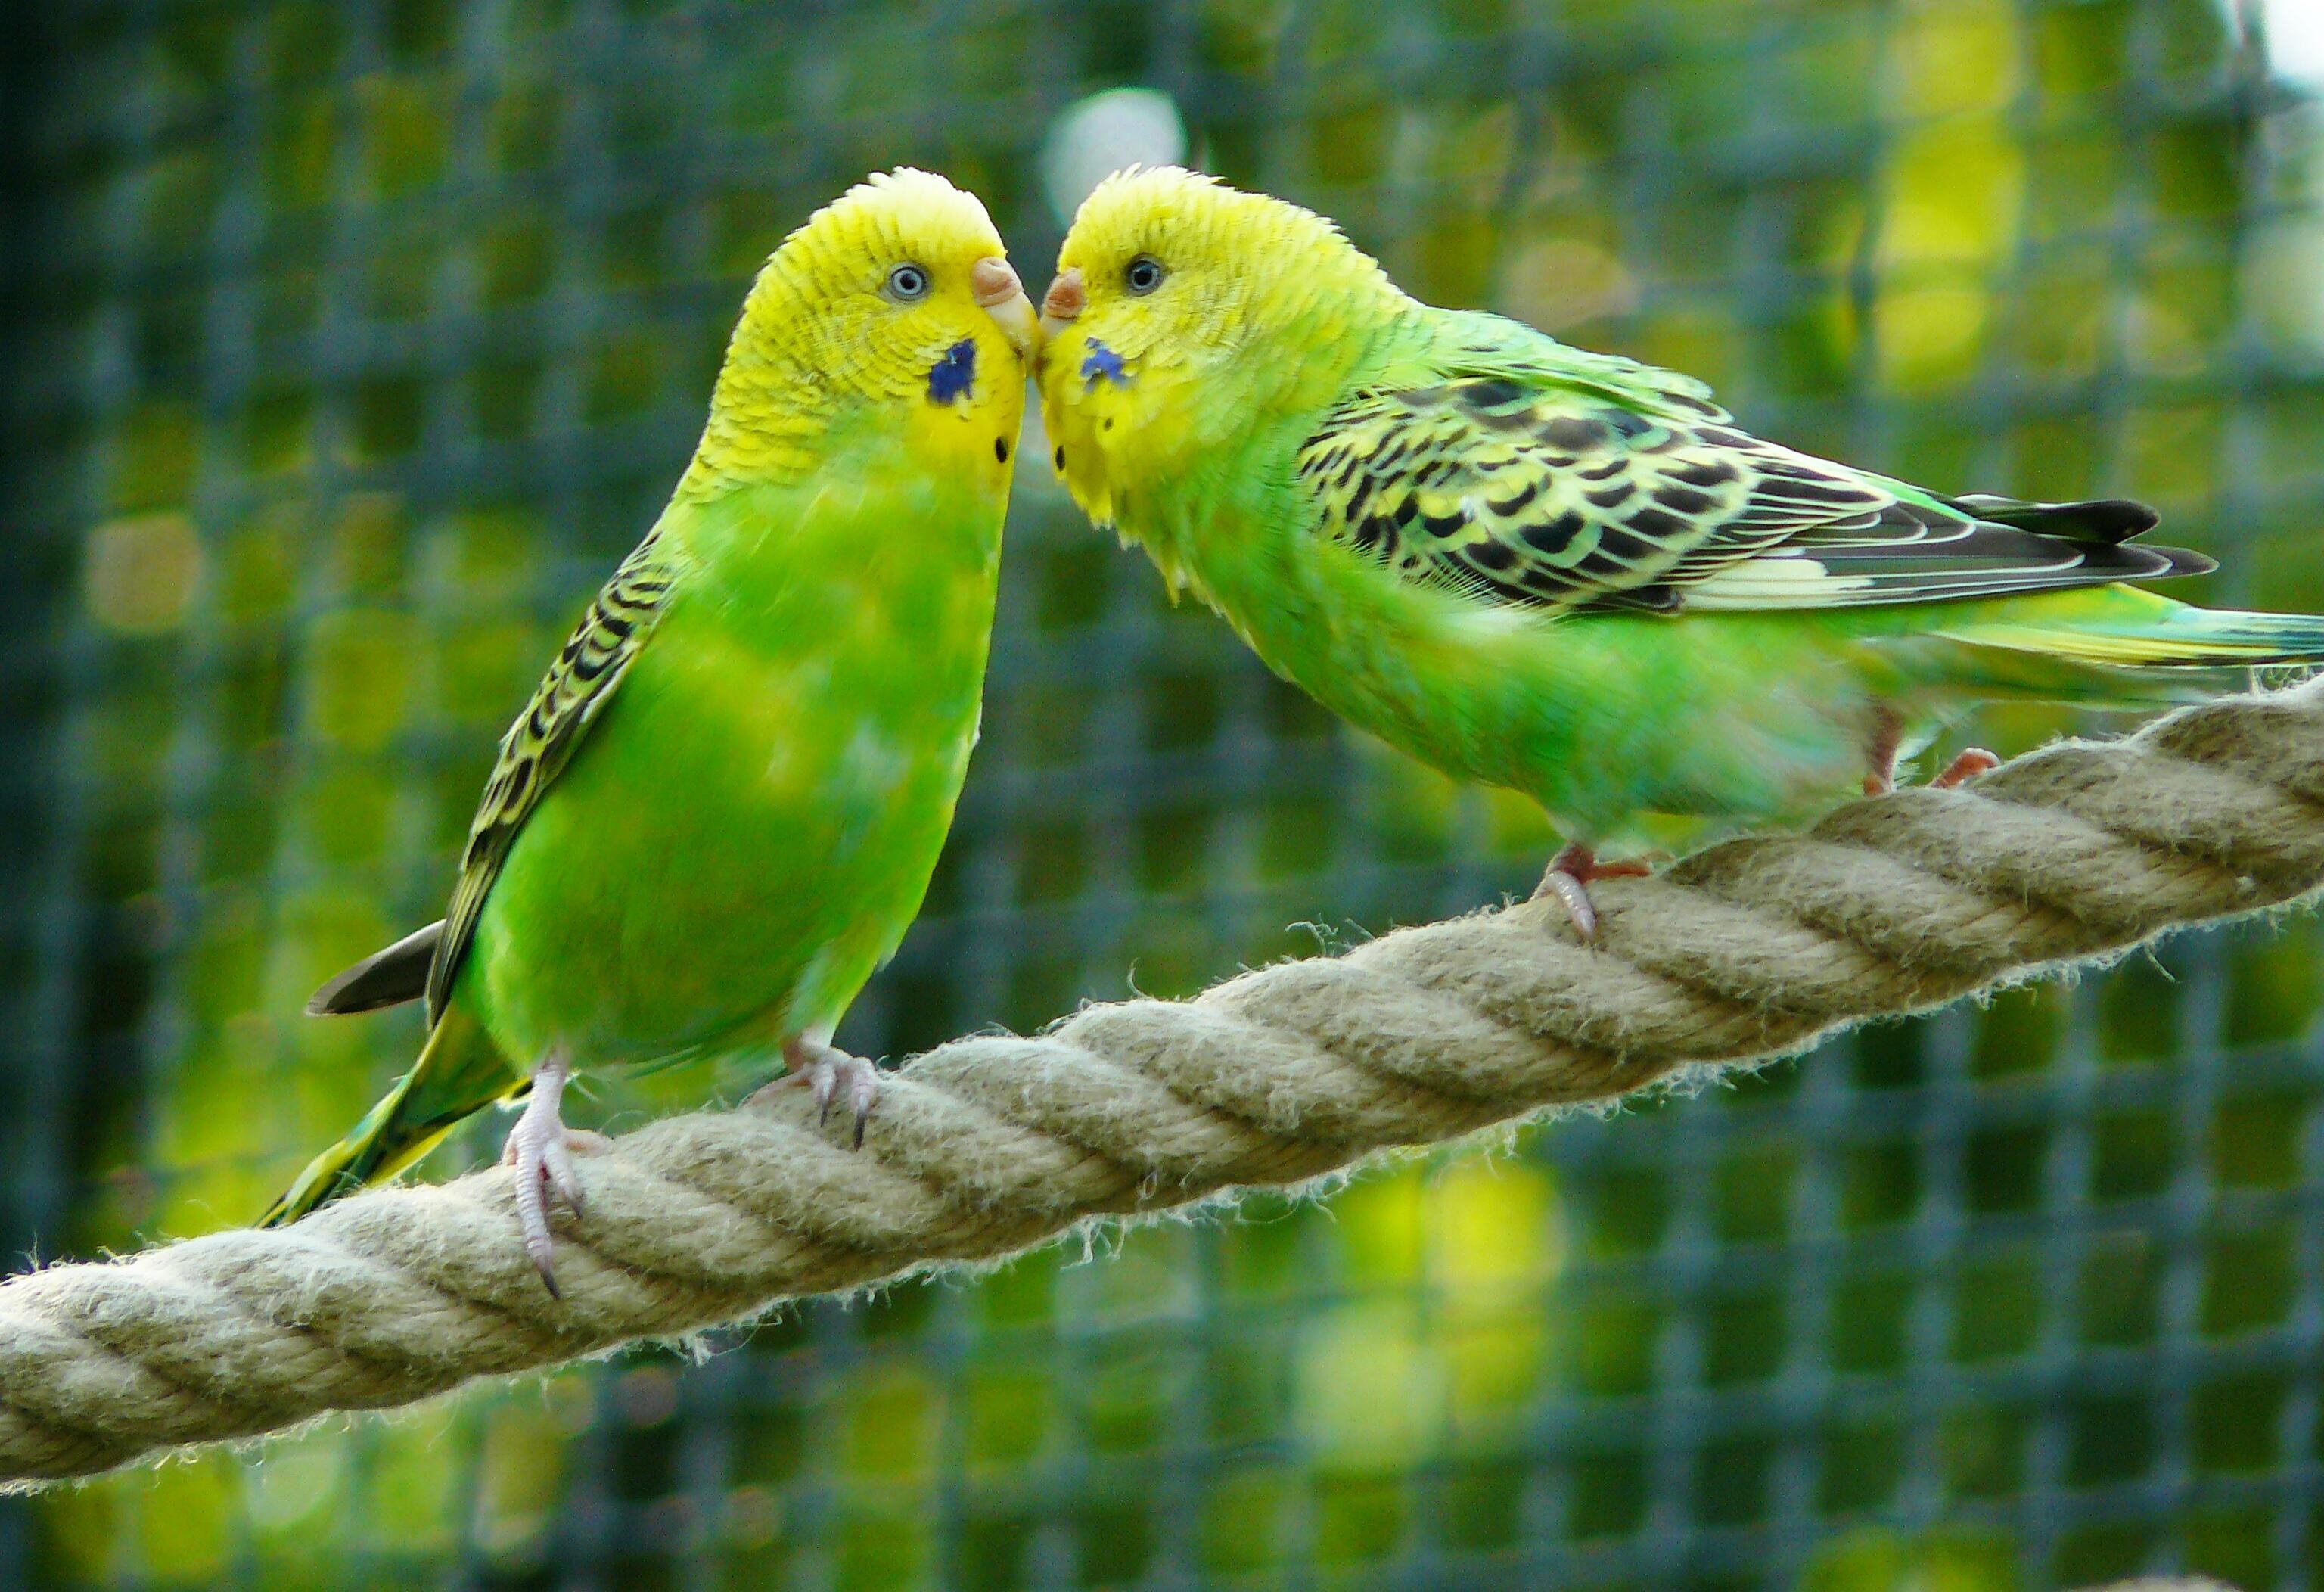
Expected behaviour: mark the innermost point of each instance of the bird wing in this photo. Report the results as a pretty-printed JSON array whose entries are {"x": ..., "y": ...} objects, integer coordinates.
[
  {"x": 582, "y": 680},
  {"x": 1601, "y": 484}
]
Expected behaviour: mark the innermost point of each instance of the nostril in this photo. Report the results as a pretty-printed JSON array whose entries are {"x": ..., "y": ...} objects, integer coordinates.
[
  {"x": 1064, "y": 299},
  {"x": 994, "y": 282}
]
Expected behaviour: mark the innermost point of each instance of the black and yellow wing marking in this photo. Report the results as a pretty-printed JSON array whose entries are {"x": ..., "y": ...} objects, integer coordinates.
[
  {"x": 1583, "y": 497},
  {"x": 543, "y": 739}
]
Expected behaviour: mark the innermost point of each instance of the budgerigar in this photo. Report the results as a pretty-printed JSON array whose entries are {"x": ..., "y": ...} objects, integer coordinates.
[
  {"x": 1558, "y": 571},
  {"x": 720, "y": 808}
]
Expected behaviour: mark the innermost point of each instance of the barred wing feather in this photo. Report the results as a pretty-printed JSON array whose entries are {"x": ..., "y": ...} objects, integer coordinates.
[
  {"x": 1522, "y": 488},
  {"x": 578, "y": 685}
]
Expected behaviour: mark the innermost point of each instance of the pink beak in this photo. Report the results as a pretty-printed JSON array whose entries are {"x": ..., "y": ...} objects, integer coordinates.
[
  {"x": 1064, "y": 300},
  {"x": 1002, "y": 296}
]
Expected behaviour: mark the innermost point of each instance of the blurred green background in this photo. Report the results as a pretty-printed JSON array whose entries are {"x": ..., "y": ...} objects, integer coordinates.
[{"x": 345, "y": 346}]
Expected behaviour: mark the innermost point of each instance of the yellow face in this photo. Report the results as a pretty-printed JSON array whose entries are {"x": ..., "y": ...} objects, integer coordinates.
[
  {"x": 1181, "y": 307},
  {"x": 896, "y": 302}
]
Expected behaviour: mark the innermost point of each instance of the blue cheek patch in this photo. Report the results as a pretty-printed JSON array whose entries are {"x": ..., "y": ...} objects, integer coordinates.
[
  {"x": 1102, "y": 365},
  {"x": 954, "y": 374}
]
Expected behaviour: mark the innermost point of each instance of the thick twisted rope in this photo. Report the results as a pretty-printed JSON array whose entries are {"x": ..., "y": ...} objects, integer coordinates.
[{"x": 986, "y": 1146}]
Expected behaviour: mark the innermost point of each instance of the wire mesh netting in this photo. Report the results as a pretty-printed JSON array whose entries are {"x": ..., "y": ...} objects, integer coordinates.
[{"x": 348, "y": 345}]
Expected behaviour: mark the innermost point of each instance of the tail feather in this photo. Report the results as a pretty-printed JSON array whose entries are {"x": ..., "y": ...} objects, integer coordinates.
[
  {"x": 459, "y": 1072},
  {"x": 2158, "y": 633},
  {"x": 386, "y": 977}
]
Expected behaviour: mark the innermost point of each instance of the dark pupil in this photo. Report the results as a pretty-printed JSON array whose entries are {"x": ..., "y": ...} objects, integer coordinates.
[
  {"x": 909, "y": 282},
  {"x": 1144, "y": 274}
]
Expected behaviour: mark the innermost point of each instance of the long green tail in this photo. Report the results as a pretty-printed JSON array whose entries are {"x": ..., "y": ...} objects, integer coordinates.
[
  {"x": 459, "y": 1073},
  {"x": 2124, "y": 627}
]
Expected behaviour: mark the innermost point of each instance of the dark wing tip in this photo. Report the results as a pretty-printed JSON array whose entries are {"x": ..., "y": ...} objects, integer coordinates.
[
  {"x": 341, "y": 998},
  {"x": 2121, "y": 517},
  {"x": 387, "y": 978},
  {"x": 2182, "y": 560},
  {"x": 2099, "y": 519},
  {"x": 2123, "y": 562}
]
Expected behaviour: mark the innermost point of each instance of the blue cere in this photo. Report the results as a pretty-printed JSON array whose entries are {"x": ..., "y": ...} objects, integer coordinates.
[
  {"x": 1103, "y": 362},
  {"x": 955, "y": 374}
]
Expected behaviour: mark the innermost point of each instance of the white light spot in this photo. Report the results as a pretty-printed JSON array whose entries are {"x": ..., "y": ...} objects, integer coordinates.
[
  {"x": 2295, "y": 40},
  {"x": 1094, "y": 139}
]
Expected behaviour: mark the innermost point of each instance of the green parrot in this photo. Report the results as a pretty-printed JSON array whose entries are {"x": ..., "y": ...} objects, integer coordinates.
[
  {"x": 1557, "y": 571},
  {"x": 720, "y": 808}
]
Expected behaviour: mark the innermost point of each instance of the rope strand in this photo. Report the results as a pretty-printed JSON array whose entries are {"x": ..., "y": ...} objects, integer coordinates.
[{"x": 984, "y": 1147}]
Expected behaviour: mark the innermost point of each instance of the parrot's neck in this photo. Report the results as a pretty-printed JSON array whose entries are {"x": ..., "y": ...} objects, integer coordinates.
[
  {"x": 754, "y": 439},
  {"x": 878, "y": 531}
]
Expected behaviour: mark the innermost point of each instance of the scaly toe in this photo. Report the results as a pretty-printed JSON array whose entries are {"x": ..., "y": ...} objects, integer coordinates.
[
  {"x": 532, "y": 1212},
  {"x": 557, "y": 1162},
  {"x": 863, "y": 1091},
  {"x": 1575, "y": 897},
  {"x": 1572, "y": 871},
  {"x": 1968, "y": 767},
  {"x": 821, "y": 1077},
  {"x": 539, "y": 1153},
  {"x": 831, "y": 1073}
]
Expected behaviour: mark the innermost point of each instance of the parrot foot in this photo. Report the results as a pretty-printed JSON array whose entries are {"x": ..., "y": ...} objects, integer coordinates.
[
  {"x": 826, "y": 1069},
  {"x": 1880, "y": 758},
  {"x": 1571, "y": 874},
  {"x": 541, "y": 1147},
  {"x": 1970, "y": 764}
]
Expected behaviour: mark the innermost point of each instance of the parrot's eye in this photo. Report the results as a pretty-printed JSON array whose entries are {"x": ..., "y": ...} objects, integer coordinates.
[
  {"x": 1144, "y": 275},
  {"x": 906, "y": 284}
]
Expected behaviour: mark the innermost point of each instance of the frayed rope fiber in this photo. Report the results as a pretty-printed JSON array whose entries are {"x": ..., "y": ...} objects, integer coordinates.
[{"x": 986, "y": 1146}]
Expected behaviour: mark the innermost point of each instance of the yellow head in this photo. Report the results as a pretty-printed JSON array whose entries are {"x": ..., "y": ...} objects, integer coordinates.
[
  {"x": 896, "y": 301},
  {"x": 1185, "y": 311}
]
